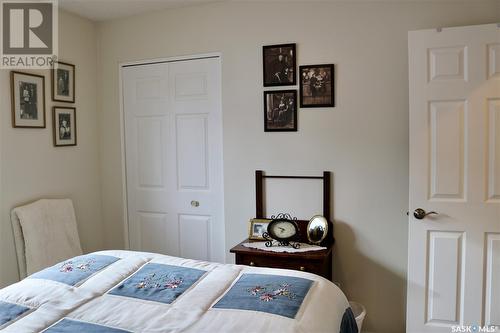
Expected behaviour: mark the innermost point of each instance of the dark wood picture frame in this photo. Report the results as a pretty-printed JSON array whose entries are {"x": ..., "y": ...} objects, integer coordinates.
[
  {"x": 55, "y": 123},
  {"x": 56, "y": 98},
  {"x": 294, "y": 115},
  {"x": 266, "y": 64},
  {"x": 330, "y": 86},
  {"x": 13, "y": 99}
]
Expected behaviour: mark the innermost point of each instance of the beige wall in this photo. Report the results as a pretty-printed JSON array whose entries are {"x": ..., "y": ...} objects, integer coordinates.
[
  {"x": 31, "y": 167},
  {"x": 363, "y": 141}
]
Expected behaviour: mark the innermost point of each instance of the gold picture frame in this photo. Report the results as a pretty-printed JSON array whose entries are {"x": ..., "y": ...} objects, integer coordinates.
[{"x": 256, "y": 227}]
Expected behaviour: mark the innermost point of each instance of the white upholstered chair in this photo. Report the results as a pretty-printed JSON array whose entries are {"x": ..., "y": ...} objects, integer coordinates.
[{"x": 45, "y": 233}]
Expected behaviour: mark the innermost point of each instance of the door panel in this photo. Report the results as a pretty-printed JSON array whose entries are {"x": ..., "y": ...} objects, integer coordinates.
[
  {"x": 493, "y": 184},
  {"x": 189, "y": 86},
  {"x": 454, "y": 171},
  {"x": 196, "y": 105},
  {"x": 153, "y": 230},
  {"x": 494, "y": 60},
  {"x": 173, "y": 140},
  {"x": 448, "y": 151},
  {"x": 445, "y": 271},
  {"x": 448, "y": 63},
  {"x": 194, "y": 236},
  {"x": 146, "y": 125},
  {"x": 150, "y": 163},
  {"x": 492, "y": 301},
  {"x": 192, "y": 151}
]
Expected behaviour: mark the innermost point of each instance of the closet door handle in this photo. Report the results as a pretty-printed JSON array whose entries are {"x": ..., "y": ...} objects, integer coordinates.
[{"x": 195, "y": 203}]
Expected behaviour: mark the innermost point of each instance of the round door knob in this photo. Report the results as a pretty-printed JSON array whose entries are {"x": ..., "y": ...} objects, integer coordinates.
[
  {"x": 302, "y": 268},
  {"x": 252, "y": 263},
  {"x": 195, "y": 203},
  {"x": 420, "y": 214}
]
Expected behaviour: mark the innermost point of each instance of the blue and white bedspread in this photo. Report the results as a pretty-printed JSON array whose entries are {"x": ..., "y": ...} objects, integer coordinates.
[{"x": 125, "y": 291}]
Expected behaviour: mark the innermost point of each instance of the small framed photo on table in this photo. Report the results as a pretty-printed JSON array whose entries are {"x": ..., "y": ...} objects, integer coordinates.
[
  {"x": 63, "y": 82},
  {"x": 316, "y": 86},
  {"x": 28, "y": 100},
  {"x": 256, "y": 228},
  {"x": 280, "y": 111},
  {"x": 64, "y": 124}
]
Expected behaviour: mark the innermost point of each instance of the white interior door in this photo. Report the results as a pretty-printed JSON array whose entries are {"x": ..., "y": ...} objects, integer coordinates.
[
  {"x": 173, "y": 146},
  {"x": 454, "y": 256}
]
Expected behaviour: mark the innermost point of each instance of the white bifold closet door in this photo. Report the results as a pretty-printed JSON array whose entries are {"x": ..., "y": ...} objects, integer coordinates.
[
  {"x": 173, "y": 146},
  {"x": 454, "y": 255}
]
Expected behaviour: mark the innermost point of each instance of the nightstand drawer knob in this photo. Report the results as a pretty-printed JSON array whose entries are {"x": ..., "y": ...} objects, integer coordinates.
[{"x": 252, "y": 263}]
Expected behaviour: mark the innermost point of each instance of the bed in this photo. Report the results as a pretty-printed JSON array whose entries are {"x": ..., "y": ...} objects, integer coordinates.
[{"x": 126, "y": 291}]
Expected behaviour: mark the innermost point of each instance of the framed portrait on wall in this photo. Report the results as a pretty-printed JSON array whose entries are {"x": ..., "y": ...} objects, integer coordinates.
[
  {"x": 317, "y": 86},
  {"x": 63, "y": 82},
  {"x": 64, "y": 123},
  {"x": 280, "y": 111},
  {"x": 28, "y": 100},
  {"x": 279, "y": 62}
]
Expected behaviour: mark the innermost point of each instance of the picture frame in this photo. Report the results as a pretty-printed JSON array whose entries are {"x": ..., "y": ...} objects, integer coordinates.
[
  {"x": 279, "y": 65},
  {"x": 280, "y": 111},
  {"x": 63, "y": 82},
  {"x": 317, "y": 86},
  {"x": 28, "y": 100},
  {"x": 64, "y": 125},
  {"x": 256, "y": 227}
]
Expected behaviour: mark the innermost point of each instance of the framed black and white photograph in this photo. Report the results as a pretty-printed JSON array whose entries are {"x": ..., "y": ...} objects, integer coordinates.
[
  {"x": 317, "y": 86},
  {"x": 279, "y": 62},
  {"x": 64, "y": 124},
  {"x": 28, "y": 100},
  {"x": 280, "y": 111},
  {"x": 256, "y": 228},
  {"x": 63, "y": 82}
]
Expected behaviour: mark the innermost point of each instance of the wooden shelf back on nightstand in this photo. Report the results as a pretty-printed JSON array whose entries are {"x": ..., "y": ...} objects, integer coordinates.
[{"x": 260, "y": 177}]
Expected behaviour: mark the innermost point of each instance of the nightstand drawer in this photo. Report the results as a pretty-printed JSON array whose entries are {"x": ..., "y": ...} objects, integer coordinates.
[
  {"x": 316, "y": 267},
  {"x": 318, "y": 262}
]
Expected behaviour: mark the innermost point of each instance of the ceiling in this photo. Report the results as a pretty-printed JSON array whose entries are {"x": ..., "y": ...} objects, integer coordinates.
[{"x": 102, "y": 10}]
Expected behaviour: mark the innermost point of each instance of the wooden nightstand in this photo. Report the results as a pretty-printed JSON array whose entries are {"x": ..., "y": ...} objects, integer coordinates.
[{"x": 317, "y": 262}]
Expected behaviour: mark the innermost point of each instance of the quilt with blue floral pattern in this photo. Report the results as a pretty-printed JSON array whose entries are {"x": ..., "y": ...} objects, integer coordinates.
[
  {"x": 71, "y": 326},
  {"x": 127, "y": 291},
  {"x": 159, "y": 283},
  {"x": 277, "y": 294},
  {"x": 75, "y": 270}
]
